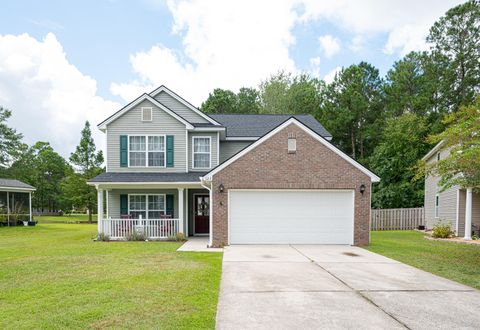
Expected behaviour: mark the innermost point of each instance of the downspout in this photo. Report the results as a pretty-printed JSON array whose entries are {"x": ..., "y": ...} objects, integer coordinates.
[{"x": 207, "y": 184}]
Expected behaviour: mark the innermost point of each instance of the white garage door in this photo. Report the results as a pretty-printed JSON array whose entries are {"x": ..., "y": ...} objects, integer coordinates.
[{"x": 291, "y": 217}]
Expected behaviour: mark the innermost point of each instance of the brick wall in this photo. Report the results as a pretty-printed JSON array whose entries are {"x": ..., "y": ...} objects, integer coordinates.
[{"x": 270, "y": 166}]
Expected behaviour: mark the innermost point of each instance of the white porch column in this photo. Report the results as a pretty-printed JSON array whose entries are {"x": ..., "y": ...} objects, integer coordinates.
[
  {"x": 180, "y": 210},
  {"x": 468, "y": 215},
  {"x": 30, "y": 204},
  {"x": 100, "y": 209}
]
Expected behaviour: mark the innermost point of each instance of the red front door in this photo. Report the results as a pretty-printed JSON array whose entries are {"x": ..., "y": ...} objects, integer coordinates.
[{"x": 201, "y": 214}]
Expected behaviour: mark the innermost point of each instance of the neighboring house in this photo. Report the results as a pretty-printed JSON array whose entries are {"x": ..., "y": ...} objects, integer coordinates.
[
  {"x": 240, "y": 179},
  {"x": 15, "y": 201},
  {"x": 454, "y": 205}
]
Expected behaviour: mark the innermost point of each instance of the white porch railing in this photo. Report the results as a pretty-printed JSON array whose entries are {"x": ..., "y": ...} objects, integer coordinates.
[{"x": 118, "y": 229}]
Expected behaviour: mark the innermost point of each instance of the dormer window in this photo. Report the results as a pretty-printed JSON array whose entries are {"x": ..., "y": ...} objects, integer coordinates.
[{"x": 146, "y": 114}]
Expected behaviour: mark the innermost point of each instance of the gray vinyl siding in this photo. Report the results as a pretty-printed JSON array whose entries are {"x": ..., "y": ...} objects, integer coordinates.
[
  {"x": 230, "y": 148},
  {"x": 214, "y": 147},
  {"x": 447, "y": 207},
  {"x": 179, "y": 108},
  {"x": 130, "y": 123}
]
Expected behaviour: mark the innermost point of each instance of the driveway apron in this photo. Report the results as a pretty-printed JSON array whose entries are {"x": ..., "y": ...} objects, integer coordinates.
[{"x": 336, "y": 287}]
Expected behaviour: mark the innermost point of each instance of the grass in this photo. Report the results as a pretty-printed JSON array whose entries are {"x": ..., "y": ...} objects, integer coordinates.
[
  {"x": 73, "y": 218},
  {"x": 458, "y": 262},
  {"x": 53, "y": 276}
]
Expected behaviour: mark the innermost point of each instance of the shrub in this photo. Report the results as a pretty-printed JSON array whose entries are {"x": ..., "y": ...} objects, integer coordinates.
[
  {"x": 442, "y": 230},
  {"x": 179, "y": 237},
  {"x": 135, "y": 235},
  {"x": 102, "y": 237}
]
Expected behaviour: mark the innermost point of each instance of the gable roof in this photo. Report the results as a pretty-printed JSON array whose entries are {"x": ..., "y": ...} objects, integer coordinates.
[
  {"x": 15, "y": 184},
  {"x": 243, "y": 126},
  {"x": 433, "y": 151},
  {"x": 180, "y": 99},
  {"x": 318, "y": 137},
  {"x": 137, "y": 101}
]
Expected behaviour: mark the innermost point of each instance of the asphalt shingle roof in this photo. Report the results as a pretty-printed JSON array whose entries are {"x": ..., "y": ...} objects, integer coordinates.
[
  {"x": 147, "y": 177},
  {"x": 240, "y": 125},
  {"x": 12, "y": 183}
]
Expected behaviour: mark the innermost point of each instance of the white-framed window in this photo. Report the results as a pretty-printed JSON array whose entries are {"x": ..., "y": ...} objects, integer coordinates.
[
  {"x": 148, "y": 206},
  {"x": 146, "y": 151},
  {"x": 201, "y": 152},
  {"x": 292, "y": 145},
  {"x": 147, "y": 114},
  {"x": 437, "y": 203}
]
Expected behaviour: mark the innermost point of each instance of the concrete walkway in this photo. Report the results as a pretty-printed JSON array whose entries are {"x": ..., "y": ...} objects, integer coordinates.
[
  {"x": 197, "y": 244},
  {"x": 336, "y": 287}
]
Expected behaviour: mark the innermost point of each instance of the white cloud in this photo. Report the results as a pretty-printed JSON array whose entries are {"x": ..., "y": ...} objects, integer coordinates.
[
  {"x": 331, "y": 75},
  {"x": 315, "y": 66},
  {"x": 50, "y": 98},
  {"x": 357, "y": 43},
  {"x": 405, "y": 22},
  {"x": 225, "y": 44},
  {"x": 330, "y": 45}
]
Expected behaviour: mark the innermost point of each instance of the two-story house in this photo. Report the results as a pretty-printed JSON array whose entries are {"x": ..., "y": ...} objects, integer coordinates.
[{"x": 240, "y": 179}]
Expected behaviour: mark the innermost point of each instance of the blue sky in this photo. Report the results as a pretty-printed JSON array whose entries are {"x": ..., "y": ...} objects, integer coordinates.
[{"x": 64, "y": 62}]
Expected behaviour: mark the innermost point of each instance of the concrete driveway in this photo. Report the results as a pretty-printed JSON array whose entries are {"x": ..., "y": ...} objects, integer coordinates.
[{"x": 336, "y": 287}]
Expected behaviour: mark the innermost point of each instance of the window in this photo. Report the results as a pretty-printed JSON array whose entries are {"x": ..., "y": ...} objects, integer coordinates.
[
  {"x": 437, "y": 202},
  {"x": 147, "y": 151},
  {"x": 201, "y": 152},
  {"x": 138, "y": 206},
  {"x": 292, "y": 145},
  {"x": 156, "y": 151},
  {"x": 146, "y": 114},
  {"x": 137, "y": 147},
  {"x": 156, "y": 206}
]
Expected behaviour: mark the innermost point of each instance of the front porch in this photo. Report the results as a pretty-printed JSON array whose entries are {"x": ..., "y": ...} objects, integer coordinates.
[{"x": 158, "y": 212}]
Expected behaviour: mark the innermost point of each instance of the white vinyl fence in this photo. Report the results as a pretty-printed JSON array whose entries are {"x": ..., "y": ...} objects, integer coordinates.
[
  {"x": 118, "y": 229},
  {"x": 397, "y": 219}
]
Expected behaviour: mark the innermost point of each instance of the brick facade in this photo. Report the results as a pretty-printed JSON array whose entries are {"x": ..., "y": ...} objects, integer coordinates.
[{"x": 270, "y": 166}]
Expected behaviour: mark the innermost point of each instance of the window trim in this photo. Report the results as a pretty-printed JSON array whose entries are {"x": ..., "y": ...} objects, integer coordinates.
[
  {"x": 193, "y": 152},
  {"x": 146, "y": 150},
  {"x": 146, "y": 204},
  {"x": 437, "y": 205},
  {"x": 151, "y": 114}
]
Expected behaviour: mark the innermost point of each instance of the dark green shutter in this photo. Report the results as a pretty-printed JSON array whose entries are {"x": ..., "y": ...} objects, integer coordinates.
[
  {"x": 169, "y": 150},
  {"x": 169, "y": 205},
  {"x": 123, "y": 151},
  {"x": 123, "y": 204}
]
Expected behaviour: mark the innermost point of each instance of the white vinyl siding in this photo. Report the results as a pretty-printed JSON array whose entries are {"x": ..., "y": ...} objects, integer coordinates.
[
  {"x": 179, "y": 108},
  {"x": 131, "y": 124}
]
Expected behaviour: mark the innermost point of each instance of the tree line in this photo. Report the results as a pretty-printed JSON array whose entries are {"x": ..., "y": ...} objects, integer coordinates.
[
  {"x": 383, "y": 122},
  {"x": 60, "y": 184}
]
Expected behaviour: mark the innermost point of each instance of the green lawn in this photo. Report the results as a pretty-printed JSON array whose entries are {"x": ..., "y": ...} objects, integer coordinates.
[
  {"x": 53, "y": 276},
  {"x": 458, "y": 262},
  {"x": 65, "y": 218}
]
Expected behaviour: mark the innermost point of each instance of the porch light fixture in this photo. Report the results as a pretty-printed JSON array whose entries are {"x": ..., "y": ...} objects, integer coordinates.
[
  {"x": 221, "y": 188},
  {"x": 362, "y": 188}
]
